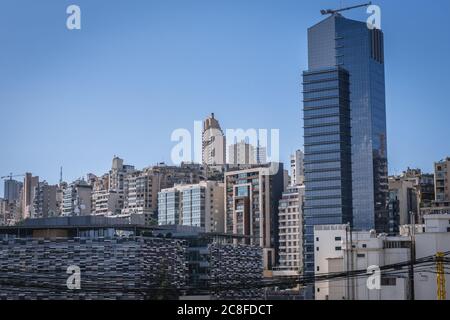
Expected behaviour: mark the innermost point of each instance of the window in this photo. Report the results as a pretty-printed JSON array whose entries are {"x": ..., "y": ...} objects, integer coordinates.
[
  {"x": 396, "y": 244},
  {"x": 317, "y": 239},
  {"x": 389, "y": 282},
  {"x": 361, "y": 255},
  {"x": 364, "y": 245},
  {"x": 317, "y": 249},
  {"x": 338, "y": 239},
  {"x": 338, "y": 248},
  {"x": 318, "y": 268}
]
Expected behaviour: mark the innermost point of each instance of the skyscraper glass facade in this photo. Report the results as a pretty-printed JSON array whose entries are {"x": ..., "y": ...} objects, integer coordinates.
[
  {"x": 328, "y": 176},
  {"x": 351, "y": 45},
  {"x": 353, "y": 48}
]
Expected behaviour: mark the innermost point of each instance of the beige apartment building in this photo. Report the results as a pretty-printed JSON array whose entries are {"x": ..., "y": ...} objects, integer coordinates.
[{"x": 251, "y": 208}]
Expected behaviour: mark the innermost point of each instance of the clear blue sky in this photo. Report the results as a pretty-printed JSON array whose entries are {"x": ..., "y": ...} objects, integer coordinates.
[{"x": 139, "y": 69}]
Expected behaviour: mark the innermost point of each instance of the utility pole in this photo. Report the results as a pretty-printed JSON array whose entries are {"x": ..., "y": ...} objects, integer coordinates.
[
  {"x": 349, "y": 264},
  {"x": 413, "y": 257},
  {"x": 352, "y": 263},
  {"x": 440, "y": 276}
]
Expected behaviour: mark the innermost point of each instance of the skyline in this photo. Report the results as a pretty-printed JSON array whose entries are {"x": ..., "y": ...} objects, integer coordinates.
[{"x": 45, "y": 73}]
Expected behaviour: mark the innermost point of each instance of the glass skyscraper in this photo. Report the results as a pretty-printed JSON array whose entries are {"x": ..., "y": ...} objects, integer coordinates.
[
  {"x": 346, "y": 175},
  {"x": 328, "y": 176}
]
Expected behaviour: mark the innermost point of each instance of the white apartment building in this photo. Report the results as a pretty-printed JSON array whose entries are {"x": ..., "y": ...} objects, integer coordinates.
[
  {"x": 196, "y": 205},
  {"x": 107, "y": 203},
  {"x": 290, "y": 231},
  {"x": 338, "y": 250},
  {"x": 434, "y": 239}
]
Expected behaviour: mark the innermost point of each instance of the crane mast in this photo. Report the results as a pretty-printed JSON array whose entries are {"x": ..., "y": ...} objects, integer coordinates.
[
  {"x": 331, "y": 11},
  {"x": 11, "y": 176}
]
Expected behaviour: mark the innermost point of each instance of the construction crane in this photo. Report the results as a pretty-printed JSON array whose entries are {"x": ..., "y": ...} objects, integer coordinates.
[
  {"x": 440, "y": 276},
  {"x": 331, "y": 11},
  {"x": 11, "y": 176}
]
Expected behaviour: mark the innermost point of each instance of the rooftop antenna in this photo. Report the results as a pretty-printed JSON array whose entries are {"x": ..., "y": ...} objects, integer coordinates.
[
  {"x": 332, "y": 12},
  {"x": 61, "y": 176}
]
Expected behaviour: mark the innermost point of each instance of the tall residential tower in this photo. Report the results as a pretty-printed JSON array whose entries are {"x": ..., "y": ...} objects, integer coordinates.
[{"x": 214, "y": 143}]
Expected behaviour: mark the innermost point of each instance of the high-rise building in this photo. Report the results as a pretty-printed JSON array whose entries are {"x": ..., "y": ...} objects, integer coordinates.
[
  {"x": 105, "y": 201},
  {"x": 213, "y": 143},
  {"x": 345, "y": 128},
  {"x": 290, "y": 229},
  {"x": 244, "y": 153},
  {"x": 352, "y": 46},
  {"x": 44, "y": 202},
  {"x": 77, "y": 199},
  {"x": 12, "y": 190},
  {"x": 402, "y": 203},
  {"x": 442, "y": 182},
  {"x": 241, "y": 153},
  {"x": 29, "y": 186},
  {"x": 424, "y": 184},
  {"x": 197, "y": 205},
  {"x": 60, "y": 196},
  {"x": 297, "y": 168},
  {"x": 3, "y": 211},
  {"x": 10, "y": 212},
  {"x": 261, "y": 154},
  {"x": 251, "y": 208},
  {"x": 410, "y": 192},
  {"x": 117, "y": 174},
  {"x": 327, "y": 161}
]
